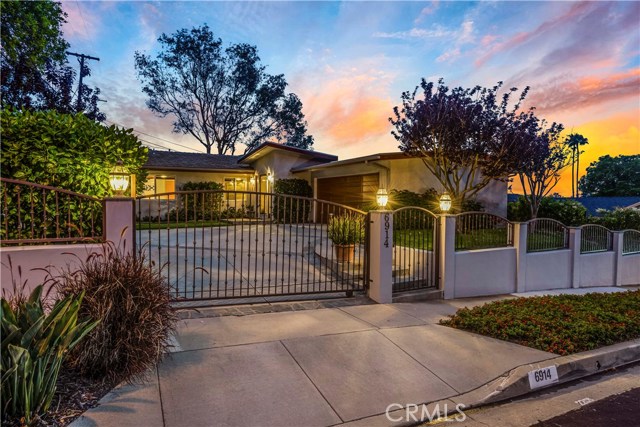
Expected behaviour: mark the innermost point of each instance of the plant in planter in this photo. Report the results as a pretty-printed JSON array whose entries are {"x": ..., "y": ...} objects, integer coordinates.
[{"x": 346, "y": 231}]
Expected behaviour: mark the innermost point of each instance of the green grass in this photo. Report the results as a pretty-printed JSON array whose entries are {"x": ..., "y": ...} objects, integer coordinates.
[
  {"x": 171, "y": 225},
  {"x": 417, "y": 239},
  {"x": 482, "y": 239},
  {"x": 561, "y": 324},
  {"x": 543, "y": 241}
]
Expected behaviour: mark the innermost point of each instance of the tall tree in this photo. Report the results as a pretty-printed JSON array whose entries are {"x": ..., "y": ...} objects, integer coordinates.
[
  {"x": 221, "y": 96},
  {"x": 543, "y": 156},
  {"x": 35, "y": 74},
  {"x": 612, "y": 176},
  {"x": 574, "y": 142},
  {"x": 465, "y": 137}
]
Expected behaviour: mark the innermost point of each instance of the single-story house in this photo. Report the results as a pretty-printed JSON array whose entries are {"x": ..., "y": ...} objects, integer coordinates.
[{"x": 353, "y": 182}]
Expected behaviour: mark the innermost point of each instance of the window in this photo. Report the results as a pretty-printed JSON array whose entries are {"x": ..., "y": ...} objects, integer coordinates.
[
  {"x": 158, "y": 184},
  {"x": 235, "y": 184}
]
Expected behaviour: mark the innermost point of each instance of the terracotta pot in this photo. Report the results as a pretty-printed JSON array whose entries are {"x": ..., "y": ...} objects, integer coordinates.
[{"x": 345, "y": 253}]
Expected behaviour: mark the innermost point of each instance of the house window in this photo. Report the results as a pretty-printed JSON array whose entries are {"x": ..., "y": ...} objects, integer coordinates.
[
  {"x": 158, "y": 184},
  {"x": 235, "y": 184}
]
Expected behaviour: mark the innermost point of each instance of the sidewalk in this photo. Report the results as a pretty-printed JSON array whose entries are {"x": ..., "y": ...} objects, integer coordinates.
[{"x": 311, "y": 368}]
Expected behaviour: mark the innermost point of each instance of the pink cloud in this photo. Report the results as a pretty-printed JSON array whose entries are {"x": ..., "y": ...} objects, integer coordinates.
[
  {"x": 574, "y": 94},
  {"x": 82, "y": 23},
  {"x": 426, "y": 11}
]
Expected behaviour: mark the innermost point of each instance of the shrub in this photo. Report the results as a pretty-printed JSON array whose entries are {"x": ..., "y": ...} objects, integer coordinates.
[
  {"x": 34, "y": 345},
  {"x": 67, "y": 150},
  {"x": 132, "y": 302},
  {"x": 429, "y": 200},
  {"x": 200, "y": 206},
  {"x": 291, "y": 209},
  {"x": 347, "y": 229},
  {"x": 569, "y": 212},
  {"x": 618, "y": 219}
]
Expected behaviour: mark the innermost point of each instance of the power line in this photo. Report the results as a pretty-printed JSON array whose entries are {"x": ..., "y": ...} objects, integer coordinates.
[
  {"x": 82, "y": 57},
  {"x": 153, "y": 136}
]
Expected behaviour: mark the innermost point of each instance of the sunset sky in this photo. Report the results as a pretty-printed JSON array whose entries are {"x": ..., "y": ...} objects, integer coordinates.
[{"x": 349, "y": 62}]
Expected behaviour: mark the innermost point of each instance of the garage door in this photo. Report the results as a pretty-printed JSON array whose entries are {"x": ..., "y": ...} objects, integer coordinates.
[{"x": 357, "y": 191}]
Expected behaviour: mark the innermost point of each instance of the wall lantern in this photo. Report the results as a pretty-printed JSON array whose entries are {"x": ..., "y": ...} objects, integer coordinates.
[
  {"x": 119, "y": 179},
  {"x": 253, "y": 180},
  {"x": 382, "y": 198},
  {"x": 445, "y": 202},
  {"x": 270, "y": 177}
]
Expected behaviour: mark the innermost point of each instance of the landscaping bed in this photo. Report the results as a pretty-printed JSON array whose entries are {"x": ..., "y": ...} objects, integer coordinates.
[{"x": 560, "y": 324}]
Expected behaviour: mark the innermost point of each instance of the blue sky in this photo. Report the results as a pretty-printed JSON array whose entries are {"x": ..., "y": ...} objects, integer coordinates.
[{"x": 350, "y": 61}]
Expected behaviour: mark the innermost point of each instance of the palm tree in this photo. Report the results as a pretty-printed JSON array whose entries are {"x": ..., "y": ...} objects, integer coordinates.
[{"x": 574, "y": 141}]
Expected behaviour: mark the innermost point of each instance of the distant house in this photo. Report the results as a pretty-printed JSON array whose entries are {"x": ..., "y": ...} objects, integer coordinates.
[{"x": 353, "y": 182}]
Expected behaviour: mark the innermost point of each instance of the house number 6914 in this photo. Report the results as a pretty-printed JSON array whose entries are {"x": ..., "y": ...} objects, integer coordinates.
[{"x": 386, "y": 230}]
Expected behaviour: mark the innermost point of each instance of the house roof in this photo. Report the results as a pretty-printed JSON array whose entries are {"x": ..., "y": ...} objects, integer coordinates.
[
  {"x": 175, "y": 160},
  {"x": 594, "y": 203},
  {"x": 268, "y": 147},
  {"x": 363, "y": 159}
]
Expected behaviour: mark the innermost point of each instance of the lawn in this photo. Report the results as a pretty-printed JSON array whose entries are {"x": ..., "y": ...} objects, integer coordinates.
[
  {"x": 545, "y": 241},
  {"x": 417, "y": 239},
  {"x": 163, "y": 225},
  {"x": 560, "y": 324},
  {"x": 482, "y": 239}
]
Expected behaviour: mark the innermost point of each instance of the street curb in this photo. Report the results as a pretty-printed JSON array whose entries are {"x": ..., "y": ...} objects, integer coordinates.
[{"x": 515, "y": 382}]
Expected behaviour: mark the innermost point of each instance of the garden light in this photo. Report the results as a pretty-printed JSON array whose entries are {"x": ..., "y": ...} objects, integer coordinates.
[
  {"x": 119, "y": 179},
  {"x": 445, "y": 202},
  {"x": 382, "y": 197}
]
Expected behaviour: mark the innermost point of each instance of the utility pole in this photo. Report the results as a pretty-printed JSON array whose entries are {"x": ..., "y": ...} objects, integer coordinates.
[{"x": 81, "y": 57}]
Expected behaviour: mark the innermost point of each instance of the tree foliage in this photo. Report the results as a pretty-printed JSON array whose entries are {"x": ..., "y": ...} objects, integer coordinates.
[
  {"x": 543, "y": 155},
  {"x": 574, "y": 142},
  {"x": 612, "y": 176},
  {"x": 35, "y": 74},
  {"x": 465, "y": 137},
  {"x": 67, "y": 151},
  {"x": 221, "y": 96}
]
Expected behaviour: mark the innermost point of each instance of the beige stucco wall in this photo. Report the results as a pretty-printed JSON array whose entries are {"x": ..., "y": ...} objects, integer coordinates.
[
  {"x": 183, "y": 177},
  {"x": 549, "y": 270},
  {"x": 597, "y": 269},
  {"x": 280, "y": 163},
  {"x": 412, "y": 174},
  {"x": 630, "y": 269},
  {"x": 485, "y": 272}
]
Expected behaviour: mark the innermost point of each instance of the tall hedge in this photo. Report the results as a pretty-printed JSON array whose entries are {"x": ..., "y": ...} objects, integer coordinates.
[
  {"x": 67, "y": 151},
  {"x": 291, "y": 210}
]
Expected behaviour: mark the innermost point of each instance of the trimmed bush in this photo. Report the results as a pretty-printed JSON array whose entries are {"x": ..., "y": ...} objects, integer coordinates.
[
  {"x": 132, "y": 302},
  {"x": 429, "y": 200},
  {"x": 618, "y": 219},
  {"x": 568, "y": 212},
  {"x": 204, "y": 206},
  {"x": 290, "y": 210},
  {"x": 34, "y": 345}
]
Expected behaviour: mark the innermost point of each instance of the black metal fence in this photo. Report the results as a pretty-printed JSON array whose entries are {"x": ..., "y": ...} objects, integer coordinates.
[
  {"x": 482, "y": 230},
  {"x": 415, "y": 249},
  {"x": 595, "y": 238},
  {"x": 545, "y": 234},
  {"x": 235, "y": 244},
  {"x": 39, "y": 214},
  {"x": 630, "y": 242}
]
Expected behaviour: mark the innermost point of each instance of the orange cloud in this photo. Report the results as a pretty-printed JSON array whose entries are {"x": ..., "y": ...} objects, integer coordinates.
[
  {"x": 585, "y": 92},
  {"x": 615, "y": 135}
]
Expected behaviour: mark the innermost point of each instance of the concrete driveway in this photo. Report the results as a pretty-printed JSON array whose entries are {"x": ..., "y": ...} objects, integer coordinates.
[{"x": 311, "y": 368}]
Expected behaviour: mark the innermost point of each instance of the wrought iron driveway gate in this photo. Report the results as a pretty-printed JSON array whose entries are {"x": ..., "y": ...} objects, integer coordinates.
[
  {"x": 415, "y": 249},
  {"x": 234, "y": 244}
]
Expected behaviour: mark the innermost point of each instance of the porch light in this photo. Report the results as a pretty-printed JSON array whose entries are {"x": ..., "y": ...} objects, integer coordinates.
[
  {"x": 119, "y": 179},
  {"x": 252, "y": 180},
  {"x": 270, "y": 178},
  {"x": 382, "y": 197},
  {"x": 445, "y": 202}
]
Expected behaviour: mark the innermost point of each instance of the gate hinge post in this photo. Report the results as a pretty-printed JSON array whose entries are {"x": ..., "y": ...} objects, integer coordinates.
[
  {"x": 380, "y": 256},
  {"x": 119, "y": 223}
]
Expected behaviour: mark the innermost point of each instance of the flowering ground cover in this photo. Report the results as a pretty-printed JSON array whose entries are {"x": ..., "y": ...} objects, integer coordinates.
[{"x": 560, "y": 324}]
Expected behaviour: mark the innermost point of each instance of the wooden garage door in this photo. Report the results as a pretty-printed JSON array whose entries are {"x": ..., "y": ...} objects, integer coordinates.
[{"x": 357, "y": 191}]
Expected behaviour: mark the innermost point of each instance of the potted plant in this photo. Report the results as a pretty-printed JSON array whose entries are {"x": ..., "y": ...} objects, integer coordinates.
[{"x": 345, "y": 231}]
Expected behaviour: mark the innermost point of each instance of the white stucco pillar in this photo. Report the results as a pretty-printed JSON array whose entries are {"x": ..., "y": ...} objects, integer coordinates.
[
  {"x": 381, "y": 256},
  {"x": 618, "y": 245},
  {"x": 575, "y": 234},
  {"x": 447, "y": 255},
  {"x": 520, "y": 243},
  {"x": 119, "y": 222}
]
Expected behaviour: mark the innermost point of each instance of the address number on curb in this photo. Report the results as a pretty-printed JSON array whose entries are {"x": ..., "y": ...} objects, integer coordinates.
[{"x": 542, "y": 377}]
